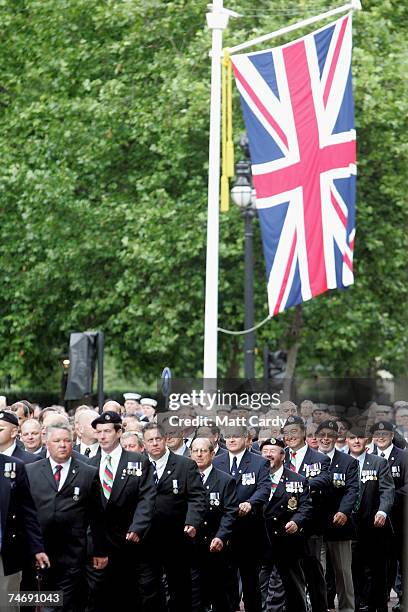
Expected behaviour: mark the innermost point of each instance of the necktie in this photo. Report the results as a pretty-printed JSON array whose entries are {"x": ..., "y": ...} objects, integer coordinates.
[
  {"x": 57, "y": 474},
  {"x": 155, "y": 476},
  {"x": 87, "y": 451},
  {"x": 274, "y": 485},
  {"x": 358, "y": 500},
  {"x": 107, "y": 477},
  {"x": 202, "y": 475},
  {"x": 382, "y": 454},
  {"x": 292, "y": 464},
  {"x": 234, "y": 467}
]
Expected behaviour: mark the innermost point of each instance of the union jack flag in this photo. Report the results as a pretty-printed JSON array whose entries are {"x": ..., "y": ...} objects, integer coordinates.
[{"x": 298, "y": 109}]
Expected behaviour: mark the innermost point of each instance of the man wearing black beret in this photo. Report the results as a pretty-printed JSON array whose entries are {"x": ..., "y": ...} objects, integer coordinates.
[
  {"x": 128, "y": 495},
  {"x": 8, "y": 438}
]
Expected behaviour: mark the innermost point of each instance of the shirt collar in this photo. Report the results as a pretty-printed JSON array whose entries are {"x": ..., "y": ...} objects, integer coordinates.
[
  {"x": 10, "y": 450},
  {"x": 387, "y": 451},
  {"x": 163, "y": 459},
  {"x": 207, "y": 472},
  {"x": 115, "y": 454},
  {"x": 83, "y": 447},
  {"x": 65, "y": 464},
  {"x": 238, "y": 456},
  {"x": 278, "y": 474},
  {"x": 330, "y": 454}
]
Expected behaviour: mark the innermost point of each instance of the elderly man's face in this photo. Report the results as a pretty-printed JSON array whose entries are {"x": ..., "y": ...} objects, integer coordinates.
[{"x": 131, "y": 443}]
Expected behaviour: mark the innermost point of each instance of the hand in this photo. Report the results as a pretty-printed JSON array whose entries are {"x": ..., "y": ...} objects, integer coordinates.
[
  {"x": 244, "y": 509},
  {"x": 42, "y": 560},
  {"x": 132, "y": 536},
  {"x": 216, "y": 545},
  {"x": 99, "y": 563},
  {"x": 190, "y": 531},
  {"x": 379, "y": 520},
  {"x": 339, "y": 519},
  {"x": 291, "y": 527}
]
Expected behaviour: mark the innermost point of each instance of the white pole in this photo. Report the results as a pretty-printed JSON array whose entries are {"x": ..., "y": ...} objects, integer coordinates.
[
  {"x": 217, "y": 21},
  {"x": 354, "y": 5}
]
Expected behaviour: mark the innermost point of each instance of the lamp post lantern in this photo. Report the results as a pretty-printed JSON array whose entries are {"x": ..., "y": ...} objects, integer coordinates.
[{"x": 243, "y": 195}]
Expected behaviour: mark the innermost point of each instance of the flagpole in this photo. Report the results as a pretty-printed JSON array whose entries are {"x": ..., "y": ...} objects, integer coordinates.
[
  {"x": 217, "y": 21},
  {"x": 354, "y": 5}
]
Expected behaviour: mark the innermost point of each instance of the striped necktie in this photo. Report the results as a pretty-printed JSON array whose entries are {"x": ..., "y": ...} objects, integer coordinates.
[
  {"x": 155, "y": 475},
  {"x": 57, "y": 475},
  {"x": 292, "y": 464},
  {"x": 107, "y": 477},
  {"x": 274, "y": 485}
]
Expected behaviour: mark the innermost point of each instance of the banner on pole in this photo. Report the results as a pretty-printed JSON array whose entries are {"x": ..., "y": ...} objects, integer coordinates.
[{"x": 298, "y": 109}]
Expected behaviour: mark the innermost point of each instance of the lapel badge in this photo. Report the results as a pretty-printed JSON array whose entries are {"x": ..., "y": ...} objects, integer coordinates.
[
  {"x": 175, "y": 487},
  {"x": 292, "y": 503},
  {"x": 75, "y": 496}
]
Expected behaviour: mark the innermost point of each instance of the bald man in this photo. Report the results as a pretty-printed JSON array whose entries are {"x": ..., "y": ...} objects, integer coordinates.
[
  {"x": 31, "y": 436},
  {"x": 88, "y": 444}
]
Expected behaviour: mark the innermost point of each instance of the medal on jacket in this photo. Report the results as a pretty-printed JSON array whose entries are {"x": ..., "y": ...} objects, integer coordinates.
[
  {"x": 292, "y": 503},
  {"x": 248, "y": 479},
  {"x": 175, "y": 487},
  {"x": 75, "y": 496},
  {"x": 134, "y": 468},
  {"x": 395, "y": 471},
  {"x": 214, "y": 498},
  {"x": 7, "y": 470},
  {"x": 339, "y": 480}
]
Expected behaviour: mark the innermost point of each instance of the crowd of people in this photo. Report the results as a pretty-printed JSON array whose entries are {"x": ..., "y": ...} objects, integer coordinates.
[{"x": 114, "y": 509}]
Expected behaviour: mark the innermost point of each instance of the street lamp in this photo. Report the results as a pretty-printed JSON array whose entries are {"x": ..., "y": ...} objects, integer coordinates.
[{"x": 243, "y": 195}]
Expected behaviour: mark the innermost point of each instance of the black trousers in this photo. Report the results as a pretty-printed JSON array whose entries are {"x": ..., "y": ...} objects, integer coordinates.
[
  {"x": 65, "y": 579},
  {"x": 211, "y": 573},
  {"x": 369, "y": 568},
  {"x": 314, "y": 574},
  {"x": 246, "y": 559},
  {"x": 287, "y": 552}
]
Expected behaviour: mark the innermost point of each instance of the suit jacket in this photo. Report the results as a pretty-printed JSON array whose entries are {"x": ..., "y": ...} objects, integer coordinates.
[
  {"x": 24, "y": 456},
  {"x": 181, "y": 500},
  {"x": 222, "y": 509},
  {"x": 376, "y": 492},
  {"x": 398, "y": 463},
  {"x": 319, "y": 483},
  {"x": 288, "y": 504},
  {"x": 220, "y": 451},
  {"x": 343, "y": 495},
  {"x": 131, "y": 503},
  {"x": 252, "y": 479},
  {"x": 65, "y": 515},
  {"x": 21, "y": 533}
]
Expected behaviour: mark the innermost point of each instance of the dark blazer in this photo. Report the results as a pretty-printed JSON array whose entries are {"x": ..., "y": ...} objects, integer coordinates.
[
  {"x": 181, "y": 500},
  {"x": 398, "y": 463},
  {"x": 21, "y": 534},
  {"x": 343, "y": 495},
  {"x": 24, "y": 456},
  {"x": 130, "y": 506},
  {"x": 376, "y": 493},
  {"x": 220, "y": 451},
  {"x": 65, "y": 515},
  {"x": 319, "y": 485},
  {"x": 288, "y": 505},
  {"x": 222, "y": 509},
  {"x": 252, "y": 479}
]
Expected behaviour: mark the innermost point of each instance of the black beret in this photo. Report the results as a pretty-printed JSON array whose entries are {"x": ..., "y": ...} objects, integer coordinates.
[
  {"x": 9, "y": 417},
  {"x": 327, "y": 425},
  {"x": 272, "y": 442},
  {"x": 382, "y": 426},
  {"x": 107, "y": 417},
  {"x": 294, "y": 420}
]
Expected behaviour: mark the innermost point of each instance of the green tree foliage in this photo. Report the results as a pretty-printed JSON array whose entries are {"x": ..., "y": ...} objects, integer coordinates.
[{"x": 104, "y": 108}]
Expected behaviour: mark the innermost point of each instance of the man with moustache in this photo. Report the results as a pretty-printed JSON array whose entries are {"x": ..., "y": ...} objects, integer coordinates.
[
  {"x": 287, "y": 513},
  {"x": 371, "y": 516},
  {"x": 314, "y": 466},
  {"x": 251, "y": 474},
  {"x": 180, "y": 508},
  {"x": 339, "y": 529},
  {"x": 211, "y": 551}
]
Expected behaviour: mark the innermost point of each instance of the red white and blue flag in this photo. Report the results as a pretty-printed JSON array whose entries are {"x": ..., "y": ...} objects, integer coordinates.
[{"x": 298, "y": 108}]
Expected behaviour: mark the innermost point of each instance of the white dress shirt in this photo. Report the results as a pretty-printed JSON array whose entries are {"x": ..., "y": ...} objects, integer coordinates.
[
  {"x": 181, "y": 450},
  {"x": 64, "y": 471},
  {"x": 10, "y": 450},
  {"x": 387, "y": 451},
  {"x": 93, "y": 447},
  {"x": 115, "y": 455},
  {"x": 239, "y": 457},
  {"x": 206, "y": 473},
  {"x": 275, "y": 477},
  {"x": 160, "y": 463},
  {"x": 300, "y": 455}
]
